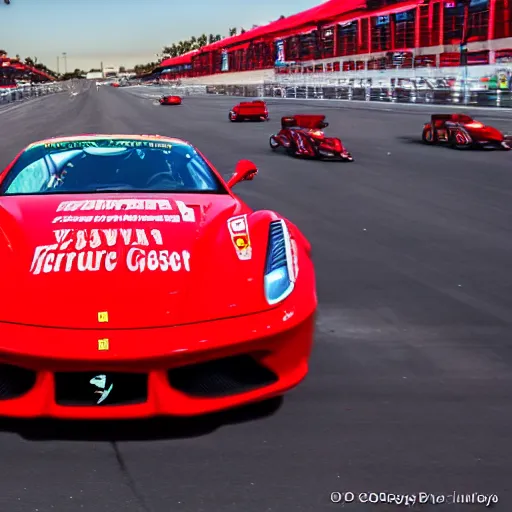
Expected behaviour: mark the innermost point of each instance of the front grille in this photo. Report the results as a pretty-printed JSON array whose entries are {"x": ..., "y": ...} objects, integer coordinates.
[
  {"x": 15, "y": 381},
  {"x": 222, "y": 377},
  {"x": 76, "y": 388}
]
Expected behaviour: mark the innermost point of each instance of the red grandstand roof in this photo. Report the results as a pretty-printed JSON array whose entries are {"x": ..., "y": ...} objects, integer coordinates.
[
  {"x": 309, "y": 18},
  {"x": 186, "y": 58},
  {"x": 326, "y": 13},
  {"x": 6, "y": 62}
]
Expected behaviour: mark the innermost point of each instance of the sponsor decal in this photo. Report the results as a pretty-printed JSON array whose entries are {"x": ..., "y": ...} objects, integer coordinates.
[
  {"x": 103, "y": 316},
  {"x": 107, "y": 143},
  {"x": 239, "y": 231},
  {"x": 103, "y": 344},
  {"x": 162, "y": 207},
  {"x": 100, "y": 381},
  {"x": 95, "y": 249}
]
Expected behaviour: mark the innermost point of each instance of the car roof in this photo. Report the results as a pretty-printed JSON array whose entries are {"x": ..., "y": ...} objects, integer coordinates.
[
  {"x": 452, "y": 117},
  {"x": 98, "y": 136}
]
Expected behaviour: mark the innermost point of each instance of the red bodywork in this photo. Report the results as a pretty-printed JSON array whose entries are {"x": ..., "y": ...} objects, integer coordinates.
[
  {"x": 249, "y": 111},
  {"x": 203, "y": 337},
  {"x": 115, "y": 84},
  {"x": 170, "y": 100},
  {"x": 462, "y": 131},
  {"x": 302, "y": 135}
]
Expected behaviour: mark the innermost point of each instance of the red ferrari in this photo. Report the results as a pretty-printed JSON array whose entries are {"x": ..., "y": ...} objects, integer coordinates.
[
  {"x": 303, "y": 136},
  {"x": 135, "y": 283},
  {"x": 170, "y": 100},
  {"x": 249, "y": 111}
]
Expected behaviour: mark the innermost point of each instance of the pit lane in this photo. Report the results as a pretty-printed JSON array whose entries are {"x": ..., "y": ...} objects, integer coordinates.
[{"x": 410, "y": 381}]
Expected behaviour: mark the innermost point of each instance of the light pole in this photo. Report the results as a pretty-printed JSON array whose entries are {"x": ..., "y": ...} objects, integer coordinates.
[
  {"x": 65, "y": 57},
  {"x": 464, "y": 47},
  {"x": 58, "y": 65}
]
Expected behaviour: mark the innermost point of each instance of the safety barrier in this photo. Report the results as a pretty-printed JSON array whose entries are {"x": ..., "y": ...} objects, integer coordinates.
[
  {"x": 418, "y": 91},
  {"x": 29, "y": 91}
]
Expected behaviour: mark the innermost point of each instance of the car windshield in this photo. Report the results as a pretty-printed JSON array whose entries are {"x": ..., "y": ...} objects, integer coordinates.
[{"x": 111, "y": 164}]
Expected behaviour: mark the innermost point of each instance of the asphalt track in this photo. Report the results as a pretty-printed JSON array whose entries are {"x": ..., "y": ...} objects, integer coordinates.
[{"x": 410, "y": 383}]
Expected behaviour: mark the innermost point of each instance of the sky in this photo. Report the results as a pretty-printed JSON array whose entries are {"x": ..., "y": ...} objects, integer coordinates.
[{"x": 123, "y": 32}]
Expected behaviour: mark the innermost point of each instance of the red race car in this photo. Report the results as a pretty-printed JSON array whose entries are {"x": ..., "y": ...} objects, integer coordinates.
[
  {"x": 302, "y": 135},
  {"x": 249, "y": 111},
  {"x": 170, "y": 100},
  {"x": 135, "y": 283},
  {"x": 461, "y": 131}
]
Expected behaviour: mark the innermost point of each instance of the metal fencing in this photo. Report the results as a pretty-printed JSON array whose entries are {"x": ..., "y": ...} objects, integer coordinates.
[
  {"x": 26, "y": 92},
  {"x": 420, "y": 91}
]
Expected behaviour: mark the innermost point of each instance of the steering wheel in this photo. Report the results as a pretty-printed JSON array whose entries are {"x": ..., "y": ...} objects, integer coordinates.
[{"x": 164, "y": 174}]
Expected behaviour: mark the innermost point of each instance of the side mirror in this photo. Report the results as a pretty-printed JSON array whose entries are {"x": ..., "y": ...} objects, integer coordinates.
[{"x": 245, "y": 170}]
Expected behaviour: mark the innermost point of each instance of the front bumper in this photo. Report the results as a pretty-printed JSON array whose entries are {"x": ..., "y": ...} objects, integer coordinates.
[{"x": 180, "y": 371}]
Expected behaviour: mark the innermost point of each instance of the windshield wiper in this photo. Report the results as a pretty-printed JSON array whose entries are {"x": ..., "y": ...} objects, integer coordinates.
[{"x": 106, "y": 189}]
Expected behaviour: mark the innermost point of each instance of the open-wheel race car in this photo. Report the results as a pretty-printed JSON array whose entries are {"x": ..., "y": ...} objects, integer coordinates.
[
  {"x": 170, "y": 100},
  {"x": 302, "y": 135},
  {"x": 461, "y": 131},
  {"x": 249, "y": 111}
]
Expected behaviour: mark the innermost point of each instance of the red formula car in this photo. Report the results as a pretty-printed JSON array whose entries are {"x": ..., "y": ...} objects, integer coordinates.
[
  {"x": 135, "y": 283},
  {"x": 302, "y": 135},
  {"x": 170, "y": 100},
  {"x": 249, "y": 111},
  {"x": 461, "y": 131}
]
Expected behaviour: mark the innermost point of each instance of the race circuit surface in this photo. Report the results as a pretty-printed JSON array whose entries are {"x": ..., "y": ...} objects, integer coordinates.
[{"x": 410, "y": 381}]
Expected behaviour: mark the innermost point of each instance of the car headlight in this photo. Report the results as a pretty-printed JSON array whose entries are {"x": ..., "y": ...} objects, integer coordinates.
[{"x": 279, "y": 279}]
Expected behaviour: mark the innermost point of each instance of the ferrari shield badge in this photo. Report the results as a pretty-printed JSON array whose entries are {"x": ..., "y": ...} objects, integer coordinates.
[
  {"x": 239, "y": 231},
  {"x": 100, "y": 381}
]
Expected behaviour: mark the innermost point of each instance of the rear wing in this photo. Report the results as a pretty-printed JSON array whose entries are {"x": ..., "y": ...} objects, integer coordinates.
[{"x": 309, "y": 121}]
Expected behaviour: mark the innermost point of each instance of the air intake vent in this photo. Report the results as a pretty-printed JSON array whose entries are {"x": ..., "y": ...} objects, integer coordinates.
[{"x": 277, "y": 254}]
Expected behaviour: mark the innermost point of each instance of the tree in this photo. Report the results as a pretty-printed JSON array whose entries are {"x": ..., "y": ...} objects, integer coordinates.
[
  {"x": 3, "y": 53},
  {"x": 122, "y": 69},
  {"x": 77, "y": 73}
]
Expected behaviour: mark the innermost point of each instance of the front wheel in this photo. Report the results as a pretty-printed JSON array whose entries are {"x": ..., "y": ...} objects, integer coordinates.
[
  {"x": 232, "y": 117},
  {"x": 459, "y": 141},
  {"x": 274, "y": 144},
  {"x": 426, "y": 136}
]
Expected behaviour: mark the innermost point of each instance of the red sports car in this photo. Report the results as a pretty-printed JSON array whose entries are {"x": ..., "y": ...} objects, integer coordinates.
[
  {"x": 135, "y": 283},
  {"x": 170, "y": 100},
  {"x": 302, "y": 135},
  {"x": 249, "y": 111},
  {"x": 461, "y": 131}
]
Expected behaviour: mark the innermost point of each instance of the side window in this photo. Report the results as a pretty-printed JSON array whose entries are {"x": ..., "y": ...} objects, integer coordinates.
[
  {"x": 33, "y": 178},
  {"x": 200, "y": 174}
]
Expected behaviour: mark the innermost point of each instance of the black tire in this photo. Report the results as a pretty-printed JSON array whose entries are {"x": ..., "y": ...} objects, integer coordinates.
[
  {"x": 455, "y": 145},
  {"x": 425, "y": 136},
  {"x": 273, "y": 147}
]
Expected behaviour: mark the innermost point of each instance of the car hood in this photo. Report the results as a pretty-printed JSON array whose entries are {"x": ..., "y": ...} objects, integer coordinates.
[
  {"x": 486, "y": 133},
  {"x": 114, "y": 262}
]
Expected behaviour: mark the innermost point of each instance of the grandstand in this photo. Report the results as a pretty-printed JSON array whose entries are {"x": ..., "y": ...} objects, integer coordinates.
[
  {"x": 362, "y": 36},
  {"x": 13, "y": 71}
]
